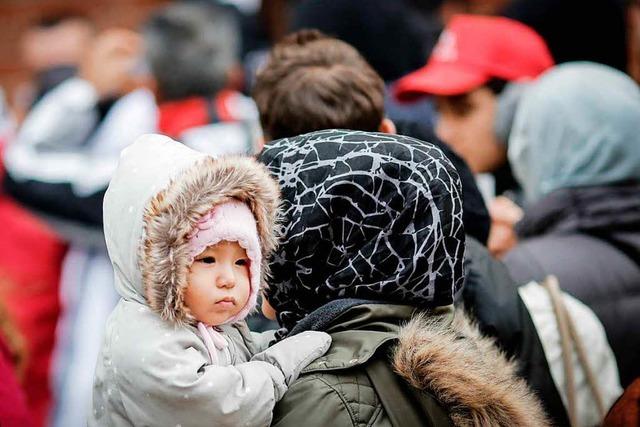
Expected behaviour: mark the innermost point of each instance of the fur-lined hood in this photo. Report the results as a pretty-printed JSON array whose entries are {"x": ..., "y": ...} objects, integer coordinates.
[
  {"x": 466, "y": 373},
  {"x": 157, "y": 194}
]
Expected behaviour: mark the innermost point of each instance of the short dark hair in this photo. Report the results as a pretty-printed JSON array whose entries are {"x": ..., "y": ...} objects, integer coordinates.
[
  {"x": 312, "y": 82},
  {"x": 191, "y": 47}
]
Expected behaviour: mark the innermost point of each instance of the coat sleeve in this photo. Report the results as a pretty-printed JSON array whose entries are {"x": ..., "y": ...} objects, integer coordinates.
[
  {"x": 63, "y": 118},
  {"x": 57, "y": 199},
  {"x": 261, "y": 340},
  {"x": 177, "y": 386}
]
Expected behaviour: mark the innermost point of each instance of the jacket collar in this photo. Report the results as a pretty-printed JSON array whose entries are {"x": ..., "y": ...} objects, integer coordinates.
[
  {"x": 590, "y": 210},
  {"x": 609, "y": 213},
  {"x": 357, "y": 332}
]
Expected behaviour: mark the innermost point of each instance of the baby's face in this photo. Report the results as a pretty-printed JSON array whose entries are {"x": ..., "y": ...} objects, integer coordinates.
[{"x": 219, "y": 284}]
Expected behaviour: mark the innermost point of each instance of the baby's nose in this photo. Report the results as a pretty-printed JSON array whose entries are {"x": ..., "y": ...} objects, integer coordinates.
[{"x": 226, "y": 278}]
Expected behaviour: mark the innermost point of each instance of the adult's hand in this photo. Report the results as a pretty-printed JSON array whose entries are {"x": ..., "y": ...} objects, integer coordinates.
[{"x": 110, "y": 62}]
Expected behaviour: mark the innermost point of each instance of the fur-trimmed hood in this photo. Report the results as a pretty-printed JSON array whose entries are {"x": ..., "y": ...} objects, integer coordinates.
[
  {"x": 157, "y": 194},
  {"x": 466, "y": 373}
]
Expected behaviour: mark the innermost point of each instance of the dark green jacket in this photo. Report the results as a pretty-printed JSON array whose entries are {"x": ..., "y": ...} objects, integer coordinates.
[{"x": 463, "y": 378}]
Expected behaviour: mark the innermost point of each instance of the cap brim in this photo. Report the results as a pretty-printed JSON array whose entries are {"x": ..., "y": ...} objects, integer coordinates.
[{"x": 445, "y": 79}]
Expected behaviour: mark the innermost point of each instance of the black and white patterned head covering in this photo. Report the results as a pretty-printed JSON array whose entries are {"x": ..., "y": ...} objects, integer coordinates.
[{"x": 366, "y": 215}]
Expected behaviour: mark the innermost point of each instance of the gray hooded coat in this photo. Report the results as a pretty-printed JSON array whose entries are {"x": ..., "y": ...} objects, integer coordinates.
[
  {"x": 575, "y": 147},
  {"x": 154, "y": 367}
]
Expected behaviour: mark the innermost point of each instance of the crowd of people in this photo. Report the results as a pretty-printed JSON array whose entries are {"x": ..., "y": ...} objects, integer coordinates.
[{"x": 362, "y": 212}]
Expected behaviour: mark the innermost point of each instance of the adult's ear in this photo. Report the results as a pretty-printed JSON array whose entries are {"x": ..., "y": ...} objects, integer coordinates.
[
  {"x": 387, "y": 126},
  {"x": 268, "y": 311},
  {"x": 260, "y": 142}
]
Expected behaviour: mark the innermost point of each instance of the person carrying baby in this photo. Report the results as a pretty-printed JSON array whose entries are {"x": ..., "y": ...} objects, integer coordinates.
[{"x": 188, "y": 236}]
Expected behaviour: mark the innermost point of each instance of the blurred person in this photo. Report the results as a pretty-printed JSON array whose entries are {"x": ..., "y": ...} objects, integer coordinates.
[
  {"x": 302, "y": 62},
  {"x": 312, "y": 82},
  {"x": 52, "y": 48},
  {"x": 478, "y": 72},
  {"x": 192, "y": 52},
  {"x": 186, "y": 57},
  {"x": 68, "y": 147},
  {"x": 29, "y": 290},
  {"x": 58, "y": 165},
  {"x": 574, "y": 148},
  {"x": 468, "y": 72}
]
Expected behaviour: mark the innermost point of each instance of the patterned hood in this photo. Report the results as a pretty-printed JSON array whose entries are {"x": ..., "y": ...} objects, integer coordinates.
[{"x": 366, "y": 215}]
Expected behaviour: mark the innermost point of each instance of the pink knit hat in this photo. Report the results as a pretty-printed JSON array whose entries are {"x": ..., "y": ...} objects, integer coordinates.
[{"x": 232, "y": 221}]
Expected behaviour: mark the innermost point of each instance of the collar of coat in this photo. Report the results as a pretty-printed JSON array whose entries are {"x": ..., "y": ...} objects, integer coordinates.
[
  {"x": 597, "y": 210},
  {"x": 357, "y": 332},
  {"x": 442, "y": 353}
]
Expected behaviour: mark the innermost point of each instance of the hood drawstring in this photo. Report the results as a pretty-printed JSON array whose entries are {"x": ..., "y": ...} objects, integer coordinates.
[{"x": 214, "y": 341}]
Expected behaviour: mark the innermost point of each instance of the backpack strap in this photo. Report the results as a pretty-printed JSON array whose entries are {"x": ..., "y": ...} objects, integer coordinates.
[{"x": 404, "y": 405}]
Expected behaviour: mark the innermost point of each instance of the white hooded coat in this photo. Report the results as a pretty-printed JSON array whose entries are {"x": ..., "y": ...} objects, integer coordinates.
[{"x": 154, "y": 367}]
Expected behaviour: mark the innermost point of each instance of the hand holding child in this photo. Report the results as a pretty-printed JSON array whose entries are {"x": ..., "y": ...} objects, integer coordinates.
[{"x": 504, "y": 216}]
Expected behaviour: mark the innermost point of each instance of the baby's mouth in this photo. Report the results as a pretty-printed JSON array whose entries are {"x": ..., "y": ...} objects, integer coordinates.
[{"x": 226, "y": 302}]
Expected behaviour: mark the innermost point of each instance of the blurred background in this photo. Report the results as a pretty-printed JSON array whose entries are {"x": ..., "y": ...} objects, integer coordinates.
[
  {"x": 44, "y": 35},
  {"x": 68, "y": 25}
]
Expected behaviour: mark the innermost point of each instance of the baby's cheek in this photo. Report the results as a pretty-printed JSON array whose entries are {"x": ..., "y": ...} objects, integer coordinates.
[
  {"x": 192, "y": 274},
  {"x": 200, "y": 276},
  {"x": 245, "y": 291},
  {"x": 189, "y": 298}
]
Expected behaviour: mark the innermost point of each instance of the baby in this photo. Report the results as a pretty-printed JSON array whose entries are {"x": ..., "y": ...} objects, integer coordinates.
[{"x": 188, "y": 235}]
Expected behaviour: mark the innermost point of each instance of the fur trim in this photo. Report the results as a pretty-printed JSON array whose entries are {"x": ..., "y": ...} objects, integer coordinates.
[
  {"x": 466, "y": 372},
  {"x": 173, "y": 213}
]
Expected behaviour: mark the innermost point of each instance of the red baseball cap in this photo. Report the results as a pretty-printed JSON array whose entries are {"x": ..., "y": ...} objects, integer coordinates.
[{"x": 473, "y": 49}]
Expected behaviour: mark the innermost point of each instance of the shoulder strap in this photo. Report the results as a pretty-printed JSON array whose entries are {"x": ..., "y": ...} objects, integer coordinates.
[
  {"x": 569, "y": 338},
  {"x": 404, "y": 405}
]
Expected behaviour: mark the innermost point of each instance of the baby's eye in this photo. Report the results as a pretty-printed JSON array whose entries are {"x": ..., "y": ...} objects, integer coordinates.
[
  {"x": 242, "y": 262},
  {"x": 207, "y": 260}
]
